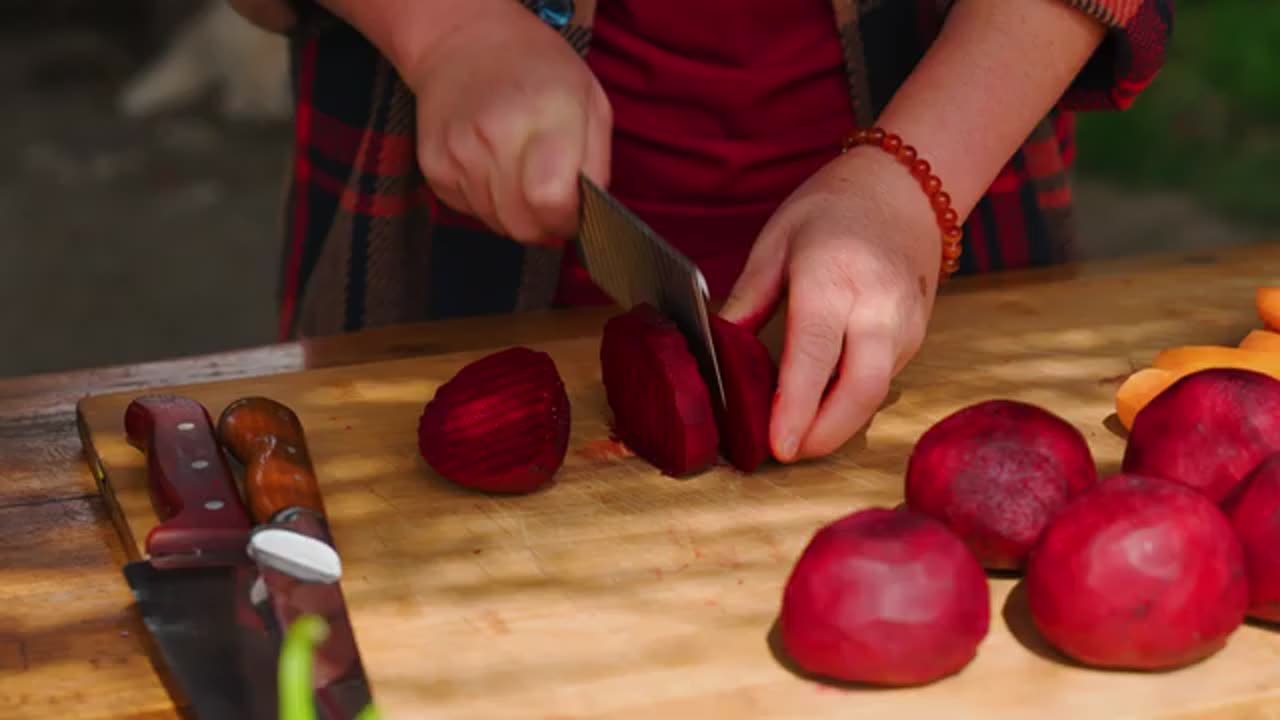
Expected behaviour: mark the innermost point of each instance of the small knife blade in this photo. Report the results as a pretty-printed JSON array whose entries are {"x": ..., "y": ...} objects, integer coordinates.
[
  {"x": 214, "y": 649},
  {"x": 634, "y": 265},
  {"x": 293, "y": 547}
]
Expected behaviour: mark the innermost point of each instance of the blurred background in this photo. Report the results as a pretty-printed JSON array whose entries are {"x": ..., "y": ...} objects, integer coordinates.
[{"x": 145, "y": 144}]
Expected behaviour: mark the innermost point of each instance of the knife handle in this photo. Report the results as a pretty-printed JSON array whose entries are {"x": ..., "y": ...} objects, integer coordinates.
[
  {"x": 189, "y": 480},
  {"x": 267, "y": 438}
]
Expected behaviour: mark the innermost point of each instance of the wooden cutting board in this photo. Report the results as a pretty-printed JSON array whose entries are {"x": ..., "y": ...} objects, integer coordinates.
[{"x": 619, "y": 592}]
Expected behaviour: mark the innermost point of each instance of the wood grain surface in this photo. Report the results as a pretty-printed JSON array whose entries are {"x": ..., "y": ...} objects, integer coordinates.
[{"x": 619, "y": 592}]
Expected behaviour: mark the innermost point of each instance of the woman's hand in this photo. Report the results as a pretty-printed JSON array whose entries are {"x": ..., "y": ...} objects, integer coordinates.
[
  {"x": 857, "y": 250},
  {"x": 508, "y": 115}
]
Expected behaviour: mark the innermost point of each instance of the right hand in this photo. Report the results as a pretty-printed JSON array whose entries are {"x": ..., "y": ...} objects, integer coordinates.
[{"x": 508, "y": 115}]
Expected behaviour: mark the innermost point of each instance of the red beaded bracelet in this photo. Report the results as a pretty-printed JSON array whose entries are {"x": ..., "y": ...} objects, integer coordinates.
[{"x": 948, "y": 219}]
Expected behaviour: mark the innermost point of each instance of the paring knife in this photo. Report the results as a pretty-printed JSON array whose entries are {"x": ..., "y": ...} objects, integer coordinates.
[
  {"x": 299, "y": 566},
  {"x": 189, "y": 591},
  {"x": 634, "y": 265}
]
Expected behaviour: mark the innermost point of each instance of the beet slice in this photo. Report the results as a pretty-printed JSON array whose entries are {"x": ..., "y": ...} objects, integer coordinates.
[
  {"x": 1254, "y": 511},
  {"x": 661, "y": 407},
  {"x": 1207, "y": 430},
  {"x": 996, "y": 472},
  {"x": 885, "y": 597},
  {"x": 500, "y": 425},
  {"x": 1138, "y": 573},
  {"x": 750, "y": 378}
]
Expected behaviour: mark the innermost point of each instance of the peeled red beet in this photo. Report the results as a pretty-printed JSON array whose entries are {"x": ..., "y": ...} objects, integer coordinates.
[
  {"x": 995, "y": 473},
  {"x": 661, "y": 407},
  {"x": 1139, "y": 573},
  {"x": 1207, "y": 430},
  {"x": 885, "y": 597},
  {"x": 1254, "y": 511},
  {"x": 750, "y": 377},
  {"x": 500, "y": 425}
]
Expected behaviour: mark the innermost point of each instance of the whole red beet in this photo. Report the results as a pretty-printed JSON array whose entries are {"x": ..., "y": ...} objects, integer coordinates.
[
  {"x": 885, "y": 597},
  {"x": 1207, "y": 430},
  {"x": 995, "y": 473},
  {"x": 750, "y": 378},
  {"x": 501, "y": 424},
  {"x": 1139, "y": 574},
  {"x": 661, "y": 407},
  {"x": 1254, "y": 511}
]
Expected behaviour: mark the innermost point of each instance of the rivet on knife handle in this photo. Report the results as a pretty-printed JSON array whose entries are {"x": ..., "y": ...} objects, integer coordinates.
[
  {"x": 267, "y": 438},
  {"x": 194, "y": 493}
]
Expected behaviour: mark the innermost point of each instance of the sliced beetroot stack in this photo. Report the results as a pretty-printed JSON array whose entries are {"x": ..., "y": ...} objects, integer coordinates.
[
  {"x": 749, "y": 376},
  {"x": 661, "y": 407},
  {"x": 500, "y": 425}
]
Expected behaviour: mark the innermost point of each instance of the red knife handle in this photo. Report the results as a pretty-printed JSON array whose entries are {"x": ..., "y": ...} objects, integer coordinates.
[
  {"x": 267, "y": 438},
  {"x": 191, "y": 485}
]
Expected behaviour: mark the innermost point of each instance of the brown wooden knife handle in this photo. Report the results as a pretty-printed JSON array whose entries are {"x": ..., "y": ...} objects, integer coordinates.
[{"x": 267, "y": 438}]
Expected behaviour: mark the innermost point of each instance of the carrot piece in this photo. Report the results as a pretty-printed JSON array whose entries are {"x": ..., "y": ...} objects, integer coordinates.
[
  {"x": 1268, "y": 303},
  {"x": 1262, "y": 340},
  {"x": 1202, "y": 357},
  {"x": 1139, "y": 389}
]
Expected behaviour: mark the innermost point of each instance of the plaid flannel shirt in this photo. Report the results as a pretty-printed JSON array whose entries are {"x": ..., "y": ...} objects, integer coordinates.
[{"x": 368, "y": 244}]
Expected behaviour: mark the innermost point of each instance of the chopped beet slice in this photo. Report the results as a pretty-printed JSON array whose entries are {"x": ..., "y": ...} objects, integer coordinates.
[
  {"x": 661, "y": 407},
  {"x": 500, "y": 425},
  {"x": 750, "y": 377}
]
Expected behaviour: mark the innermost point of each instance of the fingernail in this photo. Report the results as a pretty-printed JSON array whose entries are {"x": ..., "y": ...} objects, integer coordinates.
[{"x": 788, "y": 447}]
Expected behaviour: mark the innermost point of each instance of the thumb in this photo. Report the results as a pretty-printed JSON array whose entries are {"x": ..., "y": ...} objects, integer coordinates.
[{"x": 756, "y": 293}]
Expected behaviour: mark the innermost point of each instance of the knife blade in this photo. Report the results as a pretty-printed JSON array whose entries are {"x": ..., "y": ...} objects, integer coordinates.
[
  {"x": 215, "y": 653},
  {"x": 634, "y": 265},
  {"x": 293, "y": 546}
]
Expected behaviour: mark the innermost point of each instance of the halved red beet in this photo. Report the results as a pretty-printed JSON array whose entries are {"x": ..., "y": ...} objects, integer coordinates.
[
  {"x": 750, "y": 378},
  {"x": 501, "y": 424},
  {"x": 1138, "y": 573},
  {"x": 996, "y": 472},
  {"x": 661, "y": 407},
  {"x": 1254, "y": 510},
  {"x": 1207, "y": 430},
  {"x": 885, "y": 597}
]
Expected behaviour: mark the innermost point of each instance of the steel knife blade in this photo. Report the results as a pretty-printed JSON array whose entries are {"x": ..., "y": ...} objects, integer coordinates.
[
  {"x": 217, "y": 657},
  {"x": 293, "y": 547},
  {"x": 634, "y": 265}
]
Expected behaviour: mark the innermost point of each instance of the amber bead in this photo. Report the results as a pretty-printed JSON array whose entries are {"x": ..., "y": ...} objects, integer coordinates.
[
  {"x": 859, "y": 136},
  {"x": 951, "y": 265},
  {"x": 875, "y": 136},
  {"x": 948, "y": 217},
  {"x": 891, "y": 144},
  {"x": 932, "y": 184},
  {"x": 952, "y": 235},
  {"x": 920, "y": 169},
  {"x": 951, "y": 252},
  {"x": 907, "y": 154},
  {"x": 941, "y": 201}
]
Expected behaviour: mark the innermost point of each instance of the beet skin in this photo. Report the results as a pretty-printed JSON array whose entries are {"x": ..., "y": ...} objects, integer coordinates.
[
  {"x": 1254, "y": 511},
  {"x": 750, "y": 378},
  {"x": 885, "y": 597},
  {"x": 1207, "y": 430},
  {"x": 661, "y": 407},
  {"x": 1138, "y": 574},
  {"x": 500, "y": 425},
  {"x": 996, "y": 473}
]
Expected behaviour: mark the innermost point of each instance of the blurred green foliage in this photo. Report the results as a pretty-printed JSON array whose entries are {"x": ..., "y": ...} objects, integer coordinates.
[{"x": 1210, "y": 123}]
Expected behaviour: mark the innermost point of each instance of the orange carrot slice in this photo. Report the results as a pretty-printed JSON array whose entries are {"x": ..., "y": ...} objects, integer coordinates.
[
  {"x": 1139, "y": 389},
  {"x": 1268, "y": 302},
  {"x": 1264, "y": 340},
  {"x": 1202, "y": 357}
]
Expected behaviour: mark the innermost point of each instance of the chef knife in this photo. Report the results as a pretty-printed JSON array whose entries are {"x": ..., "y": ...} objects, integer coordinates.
[
  {"x": 293, "y": 546},
  {"x": 197, "y": 566},
  {"x": 634, "y": 265}
]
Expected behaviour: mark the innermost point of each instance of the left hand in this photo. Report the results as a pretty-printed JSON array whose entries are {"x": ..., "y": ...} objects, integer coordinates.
[{"x": 857, "y": 250}]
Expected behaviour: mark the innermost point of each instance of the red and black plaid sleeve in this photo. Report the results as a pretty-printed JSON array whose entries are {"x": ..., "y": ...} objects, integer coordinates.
[{"x": 1138, "y": 34}]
